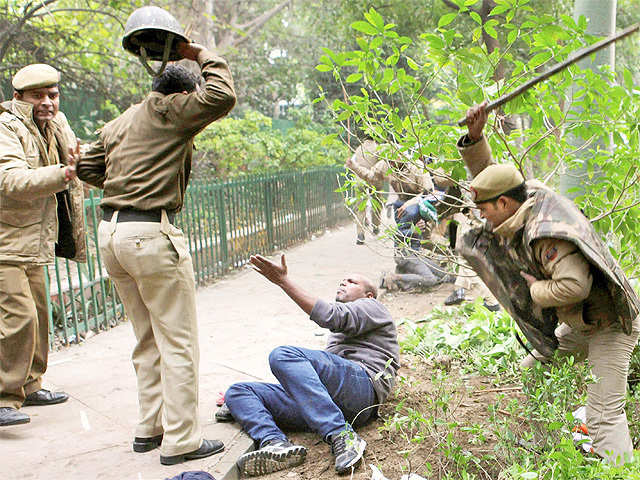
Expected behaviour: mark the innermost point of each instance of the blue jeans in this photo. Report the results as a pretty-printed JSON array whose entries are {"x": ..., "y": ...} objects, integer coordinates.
[
  {"x": 405, "y": 224},
  {"x": 318, "y": 391}
]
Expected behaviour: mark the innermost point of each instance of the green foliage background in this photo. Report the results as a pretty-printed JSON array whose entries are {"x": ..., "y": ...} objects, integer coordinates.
[
  {"x": 412, "y": 89},
  {"x": 252, "y": 143}
]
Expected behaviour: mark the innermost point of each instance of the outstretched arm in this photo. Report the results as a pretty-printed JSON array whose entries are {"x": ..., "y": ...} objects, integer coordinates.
[{"x": 278, "y": 274}]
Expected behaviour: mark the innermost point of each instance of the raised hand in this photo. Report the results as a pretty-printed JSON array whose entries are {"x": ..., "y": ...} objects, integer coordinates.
[
  {"x": 529, "y": 278},
  {"x": 190, "y": 51},
  {"x": 476, "y": 120},
  {"x": 270, "y": 270}
]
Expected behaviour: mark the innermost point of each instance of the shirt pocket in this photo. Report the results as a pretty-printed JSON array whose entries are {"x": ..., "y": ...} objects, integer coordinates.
[
  {"x": 20, "y": 229},
  {"x": 20, "y": 216}
]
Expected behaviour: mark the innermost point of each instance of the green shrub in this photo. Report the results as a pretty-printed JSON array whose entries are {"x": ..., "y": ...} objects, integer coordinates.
[
  {"x": 530, "y": 430},
  {"x": 251, "y": 144},
  {"x": 482, "y": 341}
]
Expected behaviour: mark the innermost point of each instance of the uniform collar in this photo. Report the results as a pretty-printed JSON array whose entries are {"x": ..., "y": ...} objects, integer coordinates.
[
  {"x": 22, "y": 110},
  {"x": 515, "y": 222}
]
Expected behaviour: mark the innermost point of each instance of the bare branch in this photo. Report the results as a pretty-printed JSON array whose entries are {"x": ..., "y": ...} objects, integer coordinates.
[
  {"x": 11, "y": 33},
  {"x": 102, "y": 12},
  {"x": 254, "y": 25}
]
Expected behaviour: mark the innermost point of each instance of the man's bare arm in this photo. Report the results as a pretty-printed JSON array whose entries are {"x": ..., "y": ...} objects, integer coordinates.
[{"x": 278, "y": 274}]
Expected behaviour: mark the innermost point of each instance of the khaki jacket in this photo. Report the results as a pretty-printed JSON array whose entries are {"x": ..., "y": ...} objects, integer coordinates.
[
  {"x": 31, "y": 173},
  {"x": 142, "y": 159},
  {"x": 362, "y": 162},
  {"x": 571, "y": 283},
  {"x": 407, "y": 179}
]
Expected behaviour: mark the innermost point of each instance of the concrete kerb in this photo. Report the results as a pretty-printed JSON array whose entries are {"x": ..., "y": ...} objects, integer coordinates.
[{"x": 226, "y": 468}]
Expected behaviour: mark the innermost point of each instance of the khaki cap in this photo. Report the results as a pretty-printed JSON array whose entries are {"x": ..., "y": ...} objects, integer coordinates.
[
  {"x": 36, "y": 75},
  {"x": 495, "y": 180}
]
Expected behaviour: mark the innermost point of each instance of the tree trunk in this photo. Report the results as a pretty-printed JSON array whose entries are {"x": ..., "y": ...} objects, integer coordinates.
[{"x": 601, "y": 17}]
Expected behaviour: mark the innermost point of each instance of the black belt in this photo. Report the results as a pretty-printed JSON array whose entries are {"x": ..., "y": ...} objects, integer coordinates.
[{"x": 133, "y": 215}]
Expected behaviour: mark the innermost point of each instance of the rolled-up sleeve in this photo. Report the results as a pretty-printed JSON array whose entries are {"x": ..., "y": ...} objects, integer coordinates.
[{"x": 476, "y": 155}]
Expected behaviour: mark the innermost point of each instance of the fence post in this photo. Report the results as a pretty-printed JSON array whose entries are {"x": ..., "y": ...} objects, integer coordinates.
[
  {"x": 302, "y": 200},
  {"x": 268, "y": 211},
  {"x": 224, "y": 251},
  {"x": 49, "y": 307}
]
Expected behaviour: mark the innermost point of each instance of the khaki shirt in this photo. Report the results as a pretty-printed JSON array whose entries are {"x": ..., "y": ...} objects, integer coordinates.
[
  {"x": 363, "y": 161},
  {"x": 31, "y": 173},
  {"x": 567, "y": 273},
  {"x": 568, "y": 284},
  {"x": 142, "y": 159},
  {"x": 406, "y": 179},
  {"x": 409, "y": 181}
]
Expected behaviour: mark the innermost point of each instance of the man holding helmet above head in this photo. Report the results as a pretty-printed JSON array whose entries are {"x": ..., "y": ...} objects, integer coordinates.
[
  {"x": 543, "y": 260},
  {"x": 142, "y": 161},
  {"x": 41, "y": 214}
]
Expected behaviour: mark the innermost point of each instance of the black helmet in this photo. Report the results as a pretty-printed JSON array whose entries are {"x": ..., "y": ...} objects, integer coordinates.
[{"x": 152, "y": 33}]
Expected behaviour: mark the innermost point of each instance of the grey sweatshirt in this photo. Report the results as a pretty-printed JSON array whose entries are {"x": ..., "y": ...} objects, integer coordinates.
[{"x": 362, "y": 331}]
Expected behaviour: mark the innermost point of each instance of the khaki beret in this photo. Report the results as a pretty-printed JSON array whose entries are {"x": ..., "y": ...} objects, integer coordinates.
[
  {"x": 495, "y": 180},
  {"x": 36, "y": 75}
]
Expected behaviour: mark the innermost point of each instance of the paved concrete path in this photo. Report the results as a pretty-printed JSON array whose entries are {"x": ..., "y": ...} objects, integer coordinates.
[{"x": 241, "y": 318}]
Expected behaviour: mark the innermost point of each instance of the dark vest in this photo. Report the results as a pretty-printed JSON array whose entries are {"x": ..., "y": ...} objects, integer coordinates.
[{"x": 498, "y": 263}]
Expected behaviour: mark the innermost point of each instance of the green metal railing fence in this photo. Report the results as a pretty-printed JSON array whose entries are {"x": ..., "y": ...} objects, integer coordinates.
[{"x": 224, "y": 222}]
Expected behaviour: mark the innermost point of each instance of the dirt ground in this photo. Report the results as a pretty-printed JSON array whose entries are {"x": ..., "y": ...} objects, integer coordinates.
[
  {"x": 388, "y": 448},
  {"x": 107, "y": 402}
]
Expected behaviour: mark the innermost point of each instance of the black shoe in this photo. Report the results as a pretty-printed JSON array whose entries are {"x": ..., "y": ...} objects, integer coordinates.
[
  {"x": 273, "y": 456},
  {"x": 224, "y": 414},
  {"x": 492, "y": 308},
  {"x": 360, "y": 239},
  {"x": 146, "y": 444},
  {"x": 11, "y": 416},
  {"x": 348, "y": 449},
  {"x": 456, "y": 298},
  {"x": 449, "y": 278},
  {"x": 376, "y": 230},
  {"x": 44, "y": 397},
  {"x": 208, "y": 448}
]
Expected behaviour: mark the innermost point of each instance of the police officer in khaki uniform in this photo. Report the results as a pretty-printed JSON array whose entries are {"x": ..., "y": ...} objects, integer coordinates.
[
  {"x": 574, "y": 280},
  {"x": 363, "y": 160},
  {"x": 41, "y": 213},
  {"x": 142, "y": 161}
]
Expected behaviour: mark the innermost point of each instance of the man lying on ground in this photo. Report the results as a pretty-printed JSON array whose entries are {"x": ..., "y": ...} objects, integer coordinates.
[{"x": 327, "y": 391}]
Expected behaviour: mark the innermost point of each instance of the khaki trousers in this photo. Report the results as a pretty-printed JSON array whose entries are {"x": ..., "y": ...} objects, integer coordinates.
[
  {"x": 376, "y": 211},
  {"x": 153, "y": 273},
  {"x": 609, "y": 351},
  {"x": 24, "y": 332}
]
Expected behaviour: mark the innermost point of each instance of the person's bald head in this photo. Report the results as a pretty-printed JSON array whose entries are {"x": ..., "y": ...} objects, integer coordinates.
[{"x": 355, "y": 286}]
